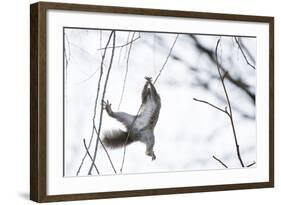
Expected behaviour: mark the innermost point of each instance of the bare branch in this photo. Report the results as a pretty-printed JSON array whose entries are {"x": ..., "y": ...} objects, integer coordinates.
[
  {"x": 64, "y": 52},
  {"x": 86, "y": 148},
  {"x": 229, "y": 106},
  {"x": 205, "y": 83},
  {"x": 203, "y": 101},
  {"x": 229, "y": 113},
  {"x": 95, "y": 106},
  {"x": 88, "y": 78},
  {"x": 163, "y": 66},
  {"x": 247, "y": 52},
  {"x": 244, "y": 55},
  {"x": 253, "y": 163},
  {"x": 126, "y": 44},
  {"x": 223, "y": 164},
  {"x": 102, "y": 99},
  {"x": 235, "y": 81},
  {"x": 136, "y": 116},
  {"x": 65, "y": 55},
  {"x": 126, "y": 141},
  {"x": 106, "y": 152},
  {"x": 84, "y": 142},
  {"x": 82, "y": 50},
  {"x": 101, "y": 41},
  {"x": 127, "y": 69}
]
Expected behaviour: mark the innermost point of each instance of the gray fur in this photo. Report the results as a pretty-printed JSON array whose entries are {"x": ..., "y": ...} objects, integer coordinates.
[
  {"x": 143, "y": 127},
  {"x": 116, "y": 138}
]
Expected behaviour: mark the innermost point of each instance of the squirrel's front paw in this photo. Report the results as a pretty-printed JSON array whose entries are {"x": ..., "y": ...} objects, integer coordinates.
[
  {"x": 107, "y": 106},
  {"x": 148, "y": 78}
]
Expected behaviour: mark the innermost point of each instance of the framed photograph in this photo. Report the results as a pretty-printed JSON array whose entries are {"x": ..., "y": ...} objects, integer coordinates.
[{"x": 134, "y": 102}]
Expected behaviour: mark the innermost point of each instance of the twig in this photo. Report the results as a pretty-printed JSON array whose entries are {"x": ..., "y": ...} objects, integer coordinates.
[
  {"x": 127, "y": 69},
  {"x": 249, "y": 165},
  {"x": 126, "y": 51},
  {"x": 203, "y": 101},
  {"x": 101, "y": 41},
  {"x": 64, "y": 52},
  {"x": 229, "y": 106},
  {"x": 68, "y": 45},
  {"x": 223, "y": 164},
  {"x": 221, "y": 98},
  {"x": 106, "y": 152},
  {"x": 129, "y": 132},
  {"x": 228, "y": 113},
  {"x": 247, "y": 52},
  {"x": 84, "y": 142},
  {"x": 171, "y": 49},
  {"x": 120, "y": 51},
  {"x": 95, "y": 106},
  {"x": 102, "y": 100},
  {"x": 244, "y": 55},
  {"x": 88, "y": 78},
  {"x": 67, "y": 58},
  {"x": 86, "y": 148},
  {"x": 121, "y": 46},
  {"x": 236, "y": 81},
  {"x": 81, "y": 49}
]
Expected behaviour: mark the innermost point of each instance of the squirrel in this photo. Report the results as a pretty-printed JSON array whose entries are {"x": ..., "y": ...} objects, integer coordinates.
[{"x": 139, "y": 128}]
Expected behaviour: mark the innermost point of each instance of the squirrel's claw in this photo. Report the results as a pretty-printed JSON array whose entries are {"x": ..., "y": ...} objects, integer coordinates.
[
  {"x": 148, "y": 78},
  {"x": 107, "y": 106},
  {"x": 151, "y": 154}
]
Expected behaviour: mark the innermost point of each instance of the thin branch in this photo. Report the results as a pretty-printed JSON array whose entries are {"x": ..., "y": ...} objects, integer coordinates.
[
  {"x": 126, "y": 44},
  {"x": 66, "y": 57},
  {"x": 86, "y": 148},
  {"x": 101, "y": 41},
  {"x": 129, "y": 132},
  {"x": 95, "y": 106},
  {"x": 136, "y": 116},
  {"x": 203, "y": 101},
  {"x": 84, "y": 142},
  {"x": 229, "y": 113},
  {"x": 88, "y": 78},
  {"x": 102, "y": 100},
  {"x": 244, "y": 55},
  {"x": 120, "y": 51},
  {"x": 64, "y": 53},
  {"x": 127, "y": 41},
  {"x": 205, "y": 83},
  {"x": 249, "y": 165},
  {"x": 163, "y": 66},
  {"x": 223, "y": 164},
  {"x": 247, "y": 52},
  {"x": 229, "y": 106},
  {"x": 127, "y": 69},
  {"x": 236, "y": 81},
  {"x": 81, "y": 49},
  {"x": 106, "y": 152},
  {"x": 68, "y": 45}
]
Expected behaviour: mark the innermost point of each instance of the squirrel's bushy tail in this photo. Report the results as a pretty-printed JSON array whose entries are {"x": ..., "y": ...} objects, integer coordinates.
[{"x": 116, "y": 138}]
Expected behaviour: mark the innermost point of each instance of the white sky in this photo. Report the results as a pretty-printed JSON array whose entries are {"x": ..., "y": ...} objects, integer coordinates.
[{"x": 188, "y": 133}]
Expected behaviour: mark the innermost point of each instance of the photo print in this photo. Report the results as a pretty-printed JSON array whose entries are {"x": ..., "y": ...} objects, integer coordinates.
[{"x": 148, "y": 102}]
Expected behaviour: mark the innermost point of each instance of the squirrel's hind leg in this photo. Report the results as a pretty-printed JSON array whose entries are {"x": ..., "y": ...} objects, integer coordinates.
[{"x": 148, "y": 139}]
